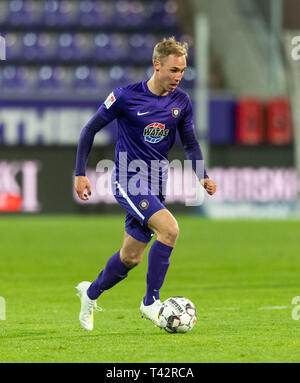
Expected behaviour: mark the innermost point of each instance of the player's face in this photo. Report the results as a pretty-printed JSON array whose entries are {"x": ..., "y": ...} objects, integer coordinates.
[{"x": 170, "y": 71}]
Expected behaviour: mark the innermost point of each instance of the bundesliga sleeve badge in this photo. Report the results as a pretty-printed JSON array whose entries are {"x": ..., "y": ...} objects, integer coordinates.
[{"x": 110, "y": 100}]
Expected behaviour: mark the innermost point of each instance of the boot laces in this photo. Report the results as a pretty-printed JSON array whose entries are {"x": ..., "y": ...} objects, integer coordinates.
[{"x": 93, "y": 306}]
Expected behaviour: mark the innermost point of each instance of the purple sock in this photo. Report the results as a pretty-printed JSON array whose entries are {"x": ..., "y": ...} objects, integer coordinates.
[
  {"x": 114, "y": 272},
  {"x": 158, "y": 264}
]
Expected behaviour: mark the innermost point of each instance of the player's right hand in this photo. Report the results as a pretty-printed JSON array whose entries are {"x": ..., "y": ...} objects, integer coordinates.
[{"x": 81, "y": 184}]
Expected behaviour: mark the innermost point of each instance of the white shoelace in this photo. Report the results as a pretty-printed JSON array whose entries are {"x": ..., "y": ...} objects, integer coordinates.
[
  {"x": 156, "y": 301},
  {"x": 94, "y": 307}
]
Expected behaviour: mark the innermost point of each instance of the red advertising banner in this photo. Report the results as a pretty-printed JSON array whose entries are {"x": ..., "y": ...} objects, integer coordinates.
[
  {"x": 249, "y": 130},
  {"x": 10, "y": 202},
  {"x": 279, "y": 122}
]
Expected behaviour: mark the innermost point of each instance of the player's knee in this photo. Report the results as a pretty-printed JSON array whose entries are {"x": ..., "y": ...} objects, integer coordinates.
[
  {"x": 174, "y": 232},
  {"x": 131, "y": 258},
  {"x": 171, "y": 233}
]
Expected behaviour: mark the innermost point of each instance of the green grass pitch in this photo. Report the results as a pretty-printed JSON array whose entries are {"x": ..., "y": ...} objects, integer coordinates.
[{"x": 241, "y": 275}]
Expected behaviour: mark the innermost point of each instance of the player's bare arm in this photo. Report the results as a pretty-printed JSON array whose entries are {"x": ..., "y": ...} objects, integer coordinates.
[{"x": 82, "y": 184}]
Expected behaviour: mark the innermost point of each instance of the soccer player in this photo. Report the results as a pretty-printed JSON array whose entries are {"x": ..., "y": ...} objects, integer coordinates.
[{"x": 149, "y": 113}]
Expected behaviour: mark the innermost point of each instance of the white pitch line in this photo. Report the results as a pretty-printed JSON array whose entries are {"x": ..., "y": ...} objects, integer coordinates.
[
  {"x": 238, "y": 308},
  {"x": 220, "y": 308},
  {"x": 225, "y": 308},
  {"x": 274, "y": 308}
]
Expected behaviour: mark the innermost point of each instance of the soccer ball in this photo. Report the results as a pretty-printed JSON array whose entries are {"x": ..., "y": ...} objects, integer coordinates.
[{"x": 177, "y": 315}]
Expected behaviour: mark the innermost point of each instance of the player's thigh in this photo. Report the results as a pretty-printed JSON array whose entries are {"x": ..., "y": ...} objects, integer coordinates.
[
  {"x": 132, "y": 250},
  {"x": 163, "y": 223}
]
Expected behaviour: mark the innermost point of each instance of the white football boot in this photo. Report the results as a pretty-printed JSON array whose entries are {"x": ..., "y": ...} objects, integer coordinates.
[
  {"x": 86, "y": 315},
  {"x": 151, "y": 312}
]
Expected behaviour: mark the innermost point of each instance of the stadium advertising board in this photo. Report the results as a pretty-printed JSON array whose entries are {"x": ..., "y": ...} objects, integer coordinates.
[
  {"x": 234, "y": 185},
  {"x": 18, "y": 186},
  {"x": 48, "y": 123},
  {"x": 40, "y": 180}
]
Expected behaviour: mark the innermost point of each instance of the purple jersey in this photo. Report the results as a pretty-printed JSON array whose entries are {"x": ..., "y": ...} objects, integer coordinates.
[
  {"x": 147, "y": 126},
  {"x": 147, "y": 123}
]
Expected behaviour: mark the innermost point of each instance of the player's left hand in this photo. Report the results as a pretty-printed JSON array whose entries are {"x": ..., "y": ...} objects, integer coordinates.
[
  {"x": 81, "y": 184},
  {"x": 209, "y": 185}
]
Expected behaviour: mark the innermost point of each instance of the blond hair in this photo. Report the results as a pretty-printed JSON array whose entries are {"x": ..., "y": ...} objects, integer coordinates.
[{"x": 168, "y": 47}]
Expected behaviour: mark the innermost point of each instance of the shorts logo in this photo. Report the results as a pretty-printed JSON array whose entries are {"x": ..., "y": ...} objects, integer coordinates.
[
  {"x": 110, "y": 100},
  {"x": 175, "y": 112},
  {"x": 155, "y": 132},
  {"x": 144, "y": 204}
]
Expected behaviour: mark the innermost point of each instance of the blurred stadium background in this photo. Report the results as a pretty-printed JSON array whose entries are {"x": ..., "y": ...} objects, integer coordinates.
[
  {"x": 62, "y": 58},
  {"x": 59, "y": 59}
]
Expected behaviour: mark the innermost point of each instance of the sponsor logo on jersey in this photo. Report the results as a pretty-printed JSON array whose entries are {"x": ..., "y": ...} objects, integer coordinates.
[
  {"x": 175, "y": 112},
  {"x": 155, "y": 132},
  {"x": 110, "y": 100}
]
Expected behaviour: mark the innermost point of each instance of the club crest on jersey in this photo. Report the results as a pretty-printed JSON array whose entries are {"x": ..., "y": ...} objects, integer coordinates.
[
  {"x": 110, "y": 100},
  {"x": 155, "y": 132},
  {"x": 175, "y": 112},
  {"x": 144, "y": 204}
]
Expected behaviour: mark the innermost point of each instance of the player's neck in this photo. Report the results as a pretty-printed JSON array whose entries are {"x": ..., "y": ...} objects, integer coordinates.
[{"x": 155, "y": 87}]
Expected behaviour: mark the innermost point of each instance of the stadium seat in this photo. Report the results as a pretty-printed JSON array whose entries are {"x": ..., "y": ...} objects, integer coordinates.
[
  {"x": 30, "y": 46},
  {"x": 52, "y": 79},
  {"x": 4, "y": 12},
  {"x": 128, "y": 13},
  {"x": 161, "y": 13},
  {"x": 46, "y": 46},
  {"x": 109, "y": 47},
  {"x": 73, "y": 46},
  {"x": 117, "y": 77},
  {"x": 61, "y": 12},
  {"x": 14, "y": 47},
  {"x": 85, "y": 79},
  {"x": 23, "y": 12},
  {"x": 170, "y": 15},
  {"x": 14, "y": 78},
  {"x": 137, "y": 47},
  {"x": 91, "y": 13},
  {"x": 56, "y": 37}
]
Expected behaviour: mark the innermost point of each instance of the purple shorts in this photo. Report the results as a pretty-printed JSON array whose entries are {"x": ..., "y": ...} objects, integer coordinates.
[{"x": 139, "y": 209}]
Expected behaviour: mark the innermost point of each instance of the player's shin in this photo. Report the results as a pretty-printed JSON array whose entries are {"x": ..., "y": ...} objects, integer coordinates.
[
  {"x": 158, "y": 264},
  {"x": 114, "y": 272}
]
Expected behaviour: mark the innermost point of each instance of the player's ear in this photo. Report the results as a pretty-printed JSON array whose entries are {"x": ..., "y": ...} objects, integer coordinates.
[{"x": 156, "y": 65}]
